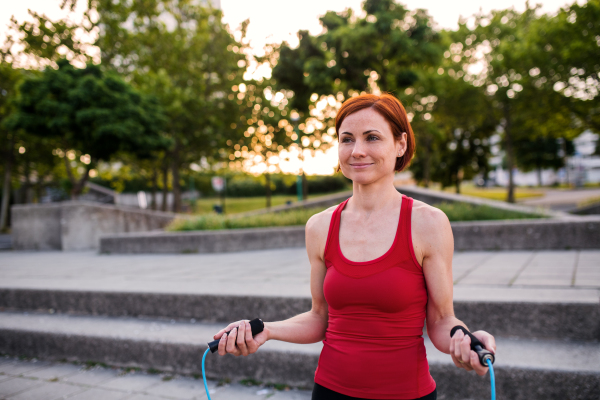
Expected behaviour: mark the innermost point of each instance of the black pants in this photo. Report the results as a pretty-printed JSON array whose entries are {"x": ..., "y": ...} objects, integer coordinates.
[{"x": 322, "y": 393}]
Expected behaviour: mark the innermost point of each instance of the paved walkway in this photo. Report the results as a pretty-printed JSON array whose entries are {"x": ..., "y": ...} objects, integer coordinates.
[
  {"x": 38, "y": 380},
  {"x": 507, "y": 276},
  {"x": 562, "y": 199}
]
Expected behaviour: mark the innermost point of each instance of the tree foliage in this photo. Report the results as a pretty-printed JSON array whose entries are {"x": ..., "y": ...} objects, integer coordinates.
[{"x": 89, "y": 111}]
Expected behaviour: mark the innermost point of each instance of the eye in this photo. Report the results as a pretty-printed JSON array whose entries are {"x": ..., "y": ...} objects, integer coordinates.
[
  {"x": 346, "y": 139},
  {"x": 372, "y": 138}
]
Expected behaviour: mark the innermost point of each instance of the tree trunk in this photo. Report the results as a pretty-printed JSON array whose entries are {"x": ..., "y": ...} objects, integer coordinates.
[
  {"x": 268, "y": 189},
  {"x": 6, "y": 188},
  {"x": 510, "y": 162},
  {"x": 71, "y": 177},
  {"x": 154, "y": 186},
  {"x": 457, "y": 183},
  {"x": 165, "y": 191},
  {"x": 539, "y": 176},
  {"x": 79, "y": 185}
]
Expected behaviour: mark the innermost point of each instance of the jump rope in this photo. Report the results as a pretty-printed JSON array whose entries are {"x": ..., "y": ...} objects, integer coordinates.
[{"x": 486, "y": 358}]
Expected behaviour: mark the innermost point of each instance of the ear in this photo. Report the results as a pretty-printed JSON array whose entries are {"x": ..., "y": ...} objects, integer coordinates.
[{"x": 401, "y": 145}]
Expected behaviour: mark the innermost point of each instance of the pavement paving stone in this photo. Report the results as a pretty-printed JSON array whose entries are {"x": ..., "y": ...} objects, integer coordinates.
[
  {"x": 47, "y": 391},
  {"x": 99, "y": 394},
  {"x": 500, "y": 269},
  {"x": 141, "y": 396},
  {"x": 92, "y": 376},
  {"x": 483, "y": 275},
  {"x": 133, "y": 381},
  {"x": 53, "y": 372},
  {"x": 17, "y": 385},
  {"x": 131, "y": 387},
  {"x": 15, "y": 368},
  {"x": 549, "y": 268},
  {"x": 182, "y": 388}
]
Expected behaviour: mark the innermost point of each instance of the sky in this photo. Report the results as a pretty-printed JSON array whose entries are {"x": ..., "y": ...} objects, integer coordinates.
[{"x": 273, "y": 21}]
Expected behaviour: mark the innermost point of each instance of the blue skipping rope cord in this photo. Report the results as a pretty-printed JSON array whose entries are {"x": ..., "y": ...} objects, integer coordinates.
[
  {"x": 204, "y": 374},
  {"x": 489, "y": 363},
  {"x": 492, "y": 379}
]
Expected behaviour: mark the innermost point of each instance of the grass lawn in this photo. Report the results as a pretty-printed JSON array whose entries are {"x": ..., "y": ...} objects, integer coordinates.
[
  {"x": 496, "y": 193},
  {"x": 234, "y": 205},
  {"x": 455, "y": 212}
]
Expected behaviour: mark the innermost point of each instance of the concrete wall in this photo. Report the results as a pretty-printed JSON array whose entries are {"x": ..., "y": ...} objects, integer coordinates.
[
  {"x": 220, "y": 241},
  {"x": 581, "y": 233},
  {"x": 77, "y": 225},
  {"x": 36, "y": 227}
]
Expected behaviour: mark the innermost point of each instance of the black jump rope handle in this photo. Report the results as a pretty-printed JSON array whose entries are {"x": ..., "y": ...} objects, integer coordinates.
[
  {"x": 256, "y": 325},
  {"x": 476, "y": 346}
]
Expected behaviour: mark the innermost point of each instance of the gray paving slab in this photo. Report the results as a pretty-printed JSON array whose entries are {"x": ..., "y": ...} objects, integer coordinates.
[
  {"x": 131, "y": 382},
  {"x": 91, "y": 376},
  {"x": 53, "y": 372},
  {"x": 549, "y": 268},
  {"x": 47, "y": 391},
  {"x": 185, "y": 388},
  {"x": 99, "y": 394},
  {"x": 281, "y": 272},
  {"x": 128, "y": 387},
  {"x": 499, "y": 269},
  {"x": 15, "y": 368},
  {"x": 17, "y": 385}
]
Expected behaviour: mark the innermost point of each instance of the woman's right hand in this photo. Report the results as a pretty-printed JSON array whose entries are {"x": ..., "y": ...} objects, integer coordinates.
[{"x": 240, "y": 340}]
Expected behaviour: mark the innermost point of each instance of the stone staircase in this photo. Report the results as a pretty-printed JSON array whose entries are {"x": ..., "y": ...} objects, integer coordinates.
[{"x": 547, "y": 343}]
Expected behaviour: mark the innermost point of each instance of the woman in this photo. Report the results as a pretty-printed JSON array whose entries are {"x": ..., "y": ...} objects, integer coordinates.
[{"x": 381, "y": 264}]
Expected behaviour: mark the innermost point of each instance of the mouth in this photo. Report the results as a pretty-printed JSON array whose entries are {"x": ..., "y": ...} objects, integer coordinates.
[{"x": 360, "y": 165}]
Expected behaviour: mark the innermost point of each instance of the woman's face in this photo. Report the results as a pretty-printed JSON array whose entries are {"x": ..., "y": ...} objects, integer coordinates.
[{"x": 367, "y": 148}]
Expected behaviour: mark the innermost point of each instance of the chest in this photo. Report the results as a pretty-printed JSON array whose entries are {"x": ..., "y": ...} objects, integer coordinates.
[
  {"x": 394, "y": 290},
  {"x": 367, "y": 238}
]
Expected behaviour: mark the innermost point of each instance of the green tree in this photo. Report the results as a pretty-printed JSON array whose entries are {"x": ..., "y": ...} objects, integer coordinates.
[
  {"x": 463, "y": 114},
  {"x": 541, "y": 153},
  {"x": 88, "y": 113},
  {"x": 566, "y": 49},
  {"x": 526, "y": 106},
  {"x": 9, "y": 138},
  {"x": 180, "y": 51}
]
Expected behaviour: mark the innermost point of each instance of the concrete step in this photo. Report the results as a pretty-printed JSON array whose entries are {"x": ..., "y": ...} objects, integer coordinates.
[
  {"x": 509, "y": 312},
  {"x": 525, "y": 369}
]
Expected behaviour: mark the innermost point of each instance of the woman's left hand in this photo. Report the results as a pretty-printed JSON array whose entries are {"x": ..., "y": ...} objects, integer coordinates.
[{"x": 464, "y": 357}]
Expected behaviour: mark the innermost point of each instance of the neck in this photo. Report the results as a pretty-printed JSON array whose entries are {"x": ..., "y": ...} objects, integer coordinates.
[{"x": 375, "y": 195}]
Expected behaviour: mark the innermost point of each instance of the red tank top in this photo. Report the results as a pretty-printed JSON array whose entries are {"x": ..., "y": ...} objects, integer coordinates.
[{"x": 373, "y": 345}]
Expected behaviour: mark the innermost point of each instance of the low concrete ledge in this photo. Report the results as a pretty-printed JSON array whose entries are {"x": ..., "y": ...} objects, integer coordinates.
[
  {"x": 77, "y": 225},
  {"x": 220, "y": 241},
  {"x": 579, "y": 233}
]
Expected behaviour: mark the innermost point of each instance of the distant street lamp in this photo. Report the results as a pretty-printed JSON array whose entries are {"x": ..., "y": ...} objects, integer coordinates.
[{"x": 295, "y": 117}]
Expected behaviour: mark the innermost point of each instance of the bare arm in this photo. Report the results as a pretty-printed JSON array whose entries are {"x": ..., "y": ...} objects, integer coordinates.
[
  {"x": 434, "y": 246},
  {"x": 308, "y": 327}
]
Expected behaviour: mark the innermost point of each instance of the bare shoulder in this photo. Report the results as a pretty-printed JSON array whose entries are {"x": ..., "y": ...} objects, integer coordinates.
[
  {"x": 426, "y": 217},
  {"x": 317, "y": 229},
  {"x": 431, "y": 231},
  {"x": 320, "y": 221}
]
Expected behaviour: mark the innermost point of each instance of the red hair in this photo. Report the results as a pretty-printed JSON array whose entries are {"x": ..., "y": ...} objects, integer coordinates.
[{"x": 394, "y": 113}]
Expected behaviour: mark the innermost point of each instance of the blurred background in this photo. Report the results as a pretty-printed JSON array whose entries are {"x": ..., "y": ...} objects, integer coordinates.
[{"x": 175, "y": 105}]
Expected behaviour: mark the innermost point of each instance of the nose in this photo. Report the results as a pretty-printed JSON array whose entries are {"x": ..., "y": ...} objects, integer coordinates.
[{"x": 359, "y": 149}]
